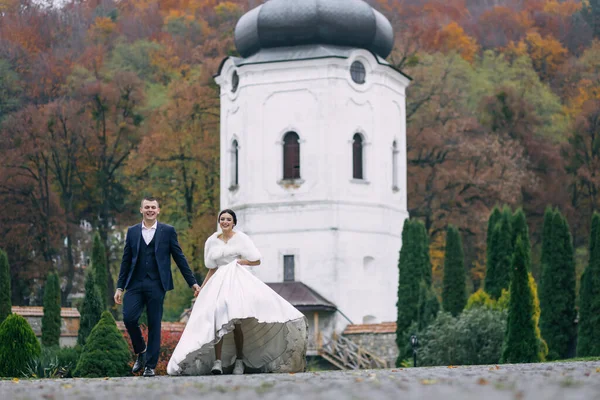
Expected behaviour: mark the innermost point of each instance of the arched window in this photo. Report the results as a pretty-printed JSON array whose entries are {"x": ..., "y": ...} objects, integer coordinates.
[
  {"x": 291, "y": 156},
  {"x": 357, "y": 157},
  {"x": 395, "y": 165},
  {"x": 235, "y": 163}
]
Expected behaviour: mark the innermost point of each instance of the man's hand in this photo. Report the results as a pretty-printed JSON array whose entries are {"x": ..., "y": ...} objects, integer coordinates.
[
  {"x": 243, "y": 262},
  {"x": 119, "y": 296},
  {"x": 196, "y": 288}
]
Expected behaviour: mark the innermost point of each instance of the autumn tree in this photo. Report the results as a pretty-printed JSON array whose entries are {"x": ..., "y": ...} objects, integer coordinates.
[{"x": 114, "y": 118}]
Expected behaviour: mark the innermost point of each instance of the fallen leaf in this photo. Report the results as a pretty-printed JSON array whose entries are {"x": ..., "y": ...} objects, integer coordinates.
[
  {"x": 67, "y": 386},
  {"x": 598, "y": 369},
  {"x": 482, "y": 381},
  {"x": 358, "y": 379},
  {"x": 15, "y": 380},
  {"x": 107, "y": 378},
  {"x": 451, "y": 366},
  {"x": 428, "y": 381}
]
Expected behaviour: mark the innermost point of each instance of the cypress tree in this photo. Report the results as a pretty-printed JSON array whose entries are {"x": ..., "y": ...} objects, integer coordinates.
[
  {"x": 423, "y": 252},
  {"x": 99, "y": 268},
  {"x": 91, "y": 310},
  {"x": 547, "y": 246},
  {"x": 454, "y": 293},
  {"x": 557, "y": 292},
  {"x": 51, "y": 319},
  {"x": 497, "y": 275},
  {"x": 492, "y": 221},
  {"x": 408, "y": 285},
  {"x": 520, "y": 228},
  {"x": 5, "y": 302},
  {"x": 106, "y": 352},
  {"x": 588, "y": 340},
  {"x": 520, "y": 342}
]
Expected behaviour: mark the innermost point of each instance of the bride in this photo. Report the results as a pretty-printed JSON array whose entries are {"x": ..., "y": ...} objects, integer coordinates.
[{"x": 238, "y": 323}]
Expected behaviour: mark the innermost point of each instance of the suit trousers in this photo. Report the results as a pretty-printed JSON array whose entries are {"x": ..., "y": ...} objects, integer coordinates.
[{"x": 148, "y": 293}]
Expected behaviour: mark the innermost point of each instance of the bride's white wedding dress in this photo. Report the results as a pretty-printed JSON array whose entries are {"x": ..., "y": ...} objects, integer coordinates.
[{"x": 275, "y": 332}]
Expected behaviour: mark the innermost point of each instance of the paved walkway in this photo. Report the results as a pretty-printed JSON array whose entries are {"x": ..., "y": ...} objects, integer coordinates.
[{"x": 577, "y": 380}]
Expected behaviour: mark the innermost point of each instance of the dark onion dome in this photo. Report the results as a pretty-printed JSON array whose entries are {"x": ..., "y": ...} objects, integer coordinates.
[{"x": 283, "y": 23}]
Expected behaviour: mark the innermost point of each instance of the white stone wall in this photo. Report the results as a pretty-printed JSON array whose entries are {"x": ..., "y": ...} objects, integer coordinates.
[{"x": 344, "y": 233}]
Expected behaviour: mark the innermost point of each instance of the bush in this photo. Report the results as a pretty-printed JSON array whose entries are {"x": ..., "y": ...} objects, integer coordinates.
[
  {"x": 51, "y": 319},
  {"x": 18, "y": 346},
  {"x": 53, "y": 362},
  {"x": 474, "y": 337},
  {"x": 105, "y": 352},
  {"x": 5, "y": 302},
  {"x": 168, "y": 342}
]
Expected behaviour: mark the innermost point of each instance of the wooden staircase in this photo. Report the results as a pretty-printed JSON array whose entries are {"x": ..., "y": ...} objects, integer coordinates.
[{"x": 345, "y": 354}]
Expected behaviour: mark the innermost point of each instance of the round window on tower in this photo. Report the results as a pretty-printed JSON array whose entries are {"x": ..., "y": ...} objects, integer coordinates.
[
  {"x": 358, "y": 72},
  {"x": 235, "y": 81}
]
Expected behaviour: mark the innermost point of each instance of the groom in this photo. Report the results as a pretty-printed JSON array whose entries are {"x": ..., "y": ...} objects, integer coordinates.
[{"x": 146, "y": 275}]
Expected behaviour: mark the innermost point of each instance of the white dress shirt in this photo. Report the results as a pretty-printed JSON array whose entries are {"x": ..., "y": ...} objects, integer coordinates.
[{"x": 148, "y": 233}]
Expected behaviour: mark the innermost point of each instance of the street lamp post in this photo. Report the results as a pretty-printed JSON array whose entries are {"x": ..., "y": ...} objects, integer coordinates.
[{"x": 414, "y": 342}]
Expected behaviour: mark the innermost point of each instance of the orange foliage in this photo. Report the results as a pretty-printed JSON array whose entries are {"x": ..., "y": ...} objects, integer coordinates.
[
  {"x": 563, "y": 9},
  {"x": 102, "y": 30},
  {"x": 586, "y": 91},
  {"x": 546, "y": 53},
  {"x": 453, "y": 37}
]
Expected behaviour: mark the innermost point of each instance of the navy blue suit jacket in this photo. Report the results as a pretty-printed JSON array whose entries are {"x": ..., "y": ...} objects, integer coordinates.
[{"x": 165, "y": 246}]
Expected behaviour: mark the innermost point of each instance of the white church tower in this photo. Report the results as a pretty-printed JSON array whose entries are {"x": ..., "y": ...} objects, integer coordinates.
[{"x": 313, "y": 153}]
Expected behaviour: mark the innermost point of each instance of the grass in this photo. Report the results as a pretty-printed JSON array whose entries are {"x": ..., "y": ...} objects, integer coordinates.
[{"x": 577, "y": 359}]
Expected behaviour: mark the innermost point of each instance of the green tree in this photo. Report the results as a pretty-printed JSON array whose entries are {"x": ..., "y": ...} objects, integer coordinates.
[
  {"x": 492, "y": 221},
  {"x": 520, "y": 343},
  {"x": 5, "y": 302},
  {"x": 100, "y": 269},
  {"x": 18, "y": 346},
  {"x": 547, "y": 244},
  {"x": 408, "y": 285},
  {"x": 106, "y": 352},
  {"x": 520, "y": 228},
  {"x": 557, "y": 292},
  {"x": 588, "y": 340},
  {"x": 51, "y": 320},
  {"x": 91, "y": 310},
  {"x": 454, "y": 293},
  {"x": 497, "y": 276}
]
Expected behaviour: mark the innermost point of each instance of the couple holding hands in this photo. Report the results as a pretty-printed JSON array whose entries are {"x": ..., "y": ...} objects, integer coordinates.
[{"x": 238, "y": 324}]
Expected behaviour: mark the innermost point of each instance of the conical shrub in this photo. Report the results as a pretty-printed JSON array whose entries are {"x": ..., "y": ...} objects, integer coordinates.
[
  {"x": 18, "y": 346},
  {"x": 105, "y": 353}
]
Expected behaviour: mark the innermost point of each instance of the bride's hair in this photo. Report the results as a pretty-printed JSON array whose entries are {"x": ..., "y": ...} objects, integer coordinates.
[{"x": 230, "y": 212}]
